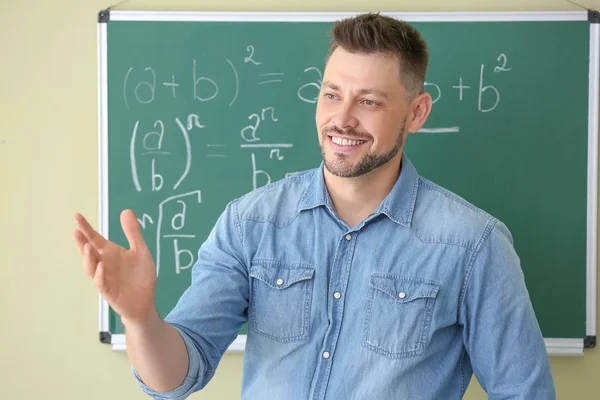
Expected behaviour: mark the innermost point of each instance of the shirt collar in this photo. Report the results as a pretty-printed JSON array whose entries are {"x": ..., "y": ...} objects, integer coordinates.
[{"x": 398, "y": 205}]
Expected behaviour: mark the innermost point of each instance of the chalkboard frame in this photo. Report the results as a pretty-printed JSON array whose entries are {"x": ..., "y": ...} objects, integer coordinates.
[{"x": 555, "y": 346}]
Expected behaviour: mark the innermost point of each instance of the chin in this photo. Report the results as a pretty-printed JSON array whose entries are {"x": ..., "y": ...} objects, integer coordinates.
[{"x": 340, "y": 169}]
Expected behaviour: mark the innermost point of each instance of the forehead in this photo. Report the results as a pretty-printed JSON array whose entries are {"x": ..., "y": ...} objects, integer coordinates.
[{"x": 376, "y": 69}]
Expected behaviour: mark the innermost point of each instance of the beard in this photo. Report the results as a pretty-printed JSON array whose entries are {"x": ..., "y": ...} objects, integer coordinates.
[{"x": 340, "y": 166}]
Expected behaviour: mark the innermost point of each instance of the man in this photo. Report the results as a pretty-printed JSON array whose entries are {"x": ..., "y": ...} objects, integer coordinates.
[{"x": 359, "y": 279}]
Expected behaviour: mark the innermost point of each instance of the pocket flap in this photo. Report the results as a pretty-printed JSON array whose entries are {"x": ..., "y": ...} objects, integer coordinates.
[
  {"x": 280, "y": 275},
  {"x": 404, "y": 289}
]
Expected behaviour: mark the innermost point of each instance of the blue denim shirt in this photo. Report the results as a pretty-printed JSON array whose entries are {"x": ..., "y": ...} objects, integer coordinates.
[{"x": 406, "y": 304}]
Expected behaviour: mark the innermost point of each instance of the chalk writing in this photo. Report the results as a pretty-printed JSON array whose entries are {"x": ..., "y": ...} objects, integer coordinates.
[
  {"x": 316, "y": 85},
  {"x": 177, "y": 223},
  {"x": 250, "y": 49},
  {"x": 171, "y": 153}
]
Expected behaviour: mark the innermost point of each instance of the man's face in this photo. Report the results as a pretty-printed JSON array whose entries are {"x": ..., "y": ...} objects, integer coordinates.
[{"x": 361, "y": 113}]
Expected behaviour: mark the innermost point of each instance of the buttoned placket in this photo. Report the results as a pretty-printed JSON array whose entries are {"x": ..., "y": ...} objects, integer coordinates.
[{"x": 340, "y": 273}]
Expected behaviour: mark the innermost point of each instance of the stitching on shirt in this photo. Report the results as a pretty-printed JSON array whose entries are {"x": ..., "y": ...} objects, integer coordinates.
[
  {"x": 269, "y": 280},
  {"x": 337, "y": 256},
  {"x": 305, "y": 193},
  {"x": 417, "y": 350},
  {"x": 308, "y": 290},
  {"x": 284, "y": 225},
  {"x": 296, "y": 178},
  {"x": 419, "y": 347},
  {"x": 405, "y": 220},
  {"x": 431, "y": 240},
  {"x": 450, "y": 195},
  {"x": 433, "y": 290},
  {"x": 210, "y": 367},
  {"x": 278, "y": 339},
  {"x": 425, "y": 330},
  {"x": 205, "y": 378},
  {"x": 236, "y": 221},
  {"x": 484, "y": 237},
  {"x": 434, "y": 240},
  {"x": 462, "y": 378},
  {"x": 413, "y": 201},
  {"x": 287, "y": 264}
]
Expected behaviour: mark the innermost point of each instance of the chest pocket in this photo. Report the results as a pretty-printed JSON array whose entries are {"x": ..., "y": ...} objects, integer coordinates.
[
  {"x": 281, "y": 300},
  {"x": 398, "y": 315}
]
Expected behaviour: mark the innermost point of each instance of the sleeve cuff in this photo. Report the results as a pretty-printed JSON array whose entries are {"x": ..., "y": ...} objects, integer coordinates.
[{"x": 189, "y": 384}]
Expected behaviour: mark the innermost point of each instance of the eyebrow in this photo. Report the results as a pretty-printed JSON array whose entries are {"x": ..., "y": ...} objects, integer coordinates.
[{"x": 379, "y": 93}]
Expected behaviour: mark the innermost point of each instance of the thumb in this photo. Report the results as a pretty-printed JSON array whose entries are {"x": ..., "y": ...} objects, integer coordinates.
[{"x": 132, "y": 230}]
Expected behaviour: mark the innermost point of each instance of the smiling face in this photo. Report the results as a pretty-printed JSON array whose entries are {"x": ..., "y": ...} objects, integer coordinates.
[{"x": 361, "y": 113}]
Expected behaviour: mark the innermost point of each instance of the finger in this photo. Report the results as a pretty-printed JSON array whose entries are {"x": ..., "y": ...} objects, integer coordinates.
[
  {"x": 80, "y": 241},
  {"x": 100, "y": 280},
  {"x": 132, "y": 230},
  {"x": 93, "y": 237},
  {"x": 90, "y": 261}
]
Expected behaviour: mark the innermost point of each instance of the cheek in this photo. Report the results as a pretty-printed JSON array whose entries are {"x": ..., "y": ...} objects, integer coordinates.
[
  {"x": 321, "y": 115},
  {"x": 383, "y": 131},
  {"x": 371, "y": 122}
]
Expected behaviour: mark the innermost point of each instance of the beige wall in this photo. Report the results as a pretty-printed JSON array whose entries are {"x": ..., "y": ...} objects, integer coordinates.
[{"x": 48, "y": 170}]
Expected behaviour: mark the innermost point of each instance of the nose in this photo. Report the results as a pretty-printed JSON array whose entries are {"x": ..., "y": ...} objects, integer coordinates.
[{"x": 344, "y": 117}]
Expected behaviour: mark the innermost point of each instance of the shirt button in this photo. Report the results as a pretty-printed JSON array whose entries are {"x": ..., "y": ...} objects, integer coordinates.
[
  {"x": 402, "y": 295},
  {"x": 348, "y": 236},
  {"x": 279, "y": 282},
  {"x": 326, "y": 354},
  {"x": 337, "y": 295}
]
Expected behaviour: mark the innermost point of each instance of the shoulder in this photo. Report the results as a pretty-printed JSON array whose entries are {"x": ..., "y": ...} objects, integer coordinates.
[
  {"x": 276, "y": 202},
  {"x": 442, "y": 216}
]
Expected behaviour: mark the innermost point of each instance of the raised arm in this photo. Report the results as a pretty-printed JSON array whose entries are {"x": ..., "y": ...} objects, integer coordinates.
[{"x": 126, "y": 279}]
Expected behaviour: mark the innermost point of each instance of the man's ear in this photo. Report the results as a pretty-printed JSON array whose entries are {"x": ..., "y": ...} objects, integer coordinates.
[{"x": 420, "y": 108}]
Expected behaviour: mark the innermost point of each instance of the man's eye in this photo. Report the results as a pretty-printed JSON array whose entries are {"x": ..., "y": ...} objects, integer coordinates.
[
  {"x": 370, "y": 103},
  {"x": 330, "y": 96}
]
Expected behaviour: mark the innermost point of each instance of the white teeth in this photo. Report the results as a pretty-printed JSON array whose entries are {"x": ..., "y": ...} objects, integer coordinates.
[{"x": 346, "y": 142}]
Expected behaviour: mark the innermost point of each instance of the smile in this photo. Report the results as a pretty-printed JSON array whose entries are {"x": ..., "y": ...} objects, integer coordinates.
[{"x": 346, "y": 142}]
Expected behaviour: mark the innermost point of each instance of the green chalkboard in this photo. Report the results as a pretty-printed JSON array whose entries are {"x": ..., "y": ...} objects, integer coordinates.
[{"x": 199, "y": 112}]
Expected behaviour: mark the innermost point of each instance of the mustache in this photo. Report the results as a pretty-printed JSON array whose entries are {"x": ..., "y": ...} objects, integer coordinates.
[{"x": 348, "y": 132}]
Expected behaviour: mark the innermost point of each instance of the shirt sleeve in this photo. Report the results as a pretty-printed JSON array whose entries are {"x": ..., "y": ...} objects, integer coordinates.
[
  {"x": 213, "y": 308},
  {"x": 501, "y": 333}
]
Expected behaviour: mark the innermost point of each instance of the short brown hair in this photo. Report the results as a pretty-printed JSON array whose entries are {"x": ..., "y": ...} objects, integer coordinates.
[{"x": 374, "y": 33}]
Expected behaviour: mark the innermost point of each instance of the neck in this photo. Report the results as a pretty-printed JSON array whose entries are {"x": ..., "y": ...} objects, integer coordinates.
[{"x": 354, "y": 199}]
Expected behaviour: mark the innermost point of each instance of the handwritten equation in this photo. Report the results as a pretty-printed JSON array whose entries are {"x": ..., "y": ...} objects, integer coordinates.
[
  {"x": 152, "y": 143},
  {"x": 148, "y": 137},
  {"x": 143, "y": 86}
]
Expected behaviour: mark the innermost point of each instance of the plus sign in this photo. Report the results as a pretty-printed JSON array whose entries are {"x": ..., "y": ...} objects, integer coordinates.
[
  {"x": 461, "y": 87},
  {"x": 172, "y": 84}
]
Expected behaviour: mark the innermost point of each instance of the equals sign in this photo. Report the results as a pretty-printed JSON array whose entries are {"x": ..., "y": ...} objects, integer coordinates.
[{"x": 271, "y": 80}]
